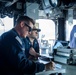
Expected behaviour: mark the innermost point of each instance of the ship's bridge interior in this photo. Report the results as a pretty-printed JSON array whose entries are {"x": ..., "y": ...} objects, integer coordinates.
[
  {"x": 59, "y": 11},
  {"x": 52, "y": 8},
  {"x": 62, "y": 14}
]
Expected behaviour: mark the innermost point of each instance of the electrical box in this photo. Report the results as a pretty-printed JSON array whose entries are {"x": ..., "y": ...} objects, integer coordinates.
[{"x": 32, "y": 10}]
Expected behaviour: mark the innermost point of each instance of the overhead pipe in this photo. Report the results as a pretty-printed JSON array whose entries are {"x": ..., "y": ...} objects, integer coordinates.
[
  {"x": 10, "y": 3},
  {"x": 6, "y": 0}
]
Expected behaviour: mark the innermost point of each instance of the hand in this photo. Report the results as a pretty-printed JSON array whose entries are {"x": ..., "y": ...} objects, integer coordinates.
[
  {"x": 50, "y": 66},
  {"x": 37, "y": 55},
  {"x": 34, "y": 57}
]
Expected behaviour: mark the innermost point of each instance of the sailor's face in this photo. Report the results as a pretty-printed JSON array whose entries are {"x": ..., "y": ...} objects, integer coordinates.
[
  {"x": 34, "y": 34},
  {"x": 25, "y": 29}
]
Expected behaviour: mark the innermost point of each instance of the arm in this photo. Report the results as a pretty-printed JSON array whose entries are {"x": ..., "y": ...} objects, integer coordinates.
[
  {"x": 15, "y": 59},
  {"x": 33, "y": 52}
]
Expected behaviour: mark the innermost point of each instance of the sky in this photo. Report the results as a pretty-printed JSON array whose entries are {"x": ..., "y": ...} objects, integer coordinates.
[{"x": 47, "y": 28}]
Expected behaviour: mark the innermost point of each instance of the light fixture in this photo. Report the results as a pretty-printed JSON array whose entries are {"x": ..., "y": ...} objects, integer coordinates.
[
  {"x": 46, "y": 4},
  {"x": 70, "y": 16},
  {"x": 55, "y": 3}
]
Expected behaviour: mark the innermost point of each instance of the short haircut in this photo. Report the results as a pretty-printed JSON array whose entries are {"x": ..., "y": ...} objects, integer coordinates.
[{"x": 26, "y": 19}]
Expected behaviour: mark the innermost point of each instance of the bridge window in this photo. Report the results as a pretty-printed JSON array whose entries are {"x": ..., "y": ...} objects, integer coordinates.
[
  {"x": 5, "y": 24},
  {"x": 47, "y": 33}
]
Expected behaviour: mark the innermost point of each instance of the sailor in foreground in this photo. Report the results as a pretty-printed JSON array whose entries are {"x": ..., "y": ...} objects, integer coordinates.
[{"x": 13, "y": 61}]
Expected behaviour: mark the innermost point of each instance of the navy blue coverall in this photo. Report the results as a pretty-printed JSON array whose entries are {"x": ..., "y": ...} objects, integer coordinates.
[
  {"x": 28, "y": 45},
  {"x": 13, "y": 61}
]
